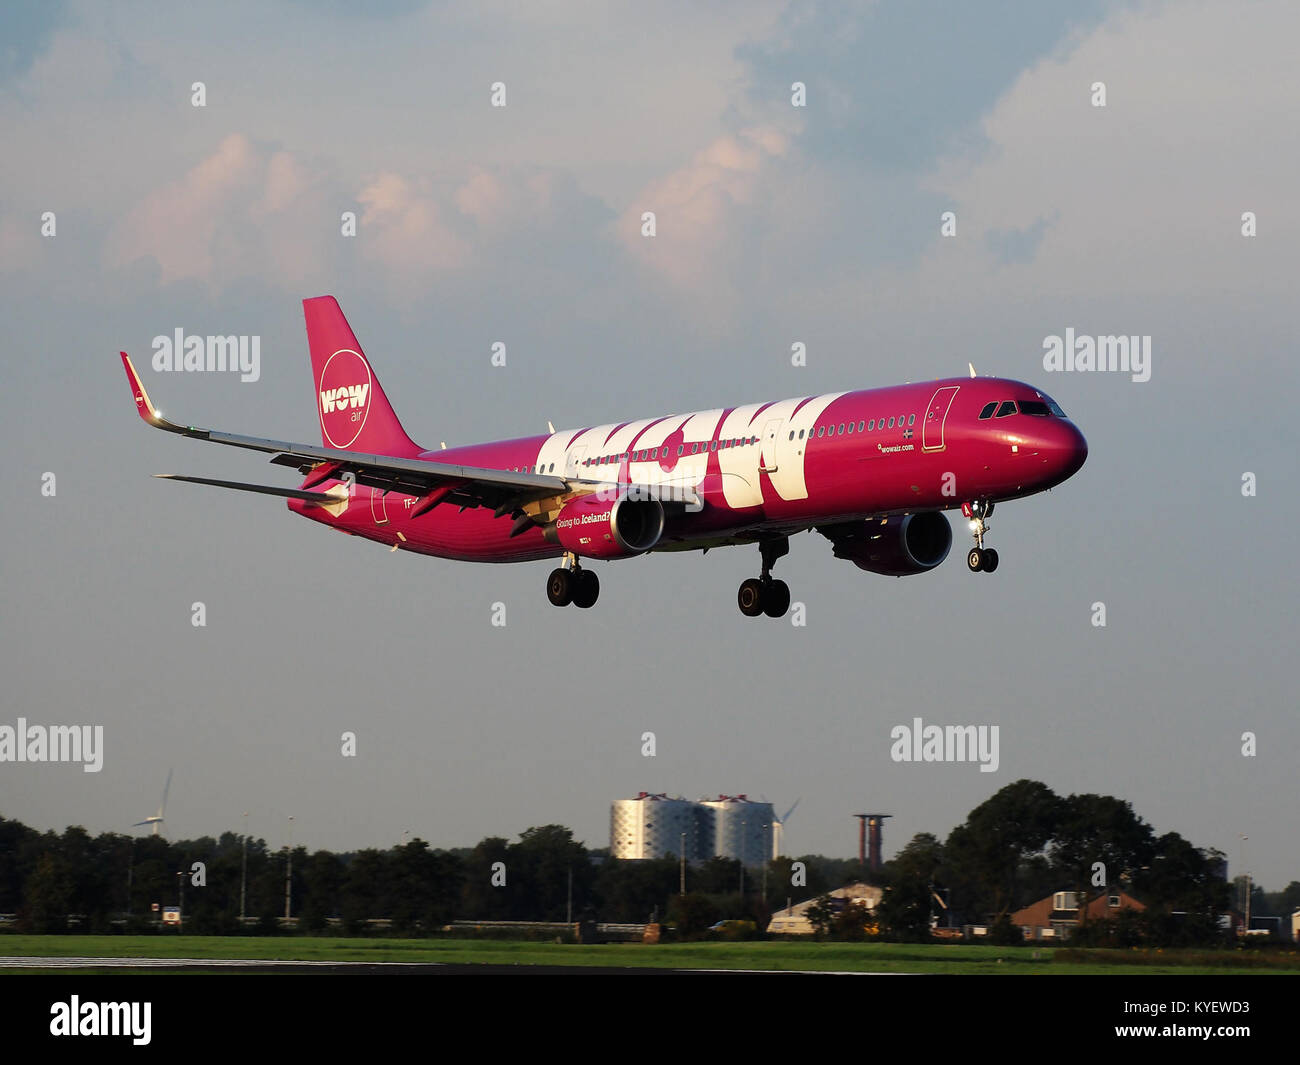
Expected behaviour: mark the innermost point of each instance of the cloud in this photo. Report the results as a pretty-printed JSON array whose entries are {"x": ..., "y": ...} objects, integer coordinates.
[
  {"x": 251, "y": 211},
  {"x": 1016, "y": 245},
  {"x": 243, "y": 211},
  {"x": 29, "y": 27},
  {"x": 404, "y": 228},
  {"x": 1145, "y": 194},
  {"x": 893, "y": 83},
  {"x": 701, "y": 207}
]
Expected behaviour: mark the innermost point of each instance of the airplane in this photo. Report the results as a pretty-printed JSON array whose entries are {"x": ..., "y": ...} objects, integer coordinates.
[{"x": 871, "y": 471}]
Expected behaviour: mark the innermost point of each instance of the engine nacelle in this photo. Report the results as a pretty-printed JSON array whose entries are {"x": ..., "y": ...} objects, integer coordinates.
[
  {"x": 898, "y": 545},
  {"x": 596, "y": 528}
]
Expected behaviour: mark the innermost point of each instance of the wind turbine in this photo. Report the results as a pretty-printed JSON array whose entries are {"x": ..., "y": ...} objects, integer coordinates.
[
  {"x": 158, "y": 818},
  {"x": 778, "y": 828}
]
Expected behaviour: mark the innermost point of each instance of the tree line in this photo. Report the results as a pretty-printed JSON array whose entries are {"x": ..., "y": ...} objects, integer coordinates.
[{"x": 1020, "y": 845}]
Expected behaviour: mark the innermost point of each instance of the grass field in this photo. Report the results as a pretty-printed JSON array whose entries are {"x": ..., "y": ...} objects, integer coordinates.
[{"x": 780, "y": 956}]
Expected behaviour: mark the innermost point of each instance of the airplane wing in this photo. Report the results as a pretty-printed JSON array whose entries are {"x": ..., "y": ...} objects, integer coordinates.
[{"x": 504, "y": 491}]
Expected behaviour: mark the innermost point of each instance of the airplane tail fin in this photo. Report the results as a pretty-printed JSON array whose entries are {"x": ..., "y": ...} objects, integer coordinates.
[{"x": 354, "y": 413}]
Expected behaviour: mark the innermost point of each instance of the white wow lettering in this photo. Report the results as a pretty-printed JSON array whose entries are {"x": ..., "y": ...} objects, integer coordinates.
[{"x": 343, "y": 398}]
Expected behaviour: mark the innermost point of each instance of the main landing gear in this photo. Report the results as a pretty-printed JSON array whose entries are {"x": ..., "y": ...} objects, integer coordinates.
[
  {"x": 763, "y": 595},
  {"x": 980, "y": 557},
  {"x": 574, "y": 585}
]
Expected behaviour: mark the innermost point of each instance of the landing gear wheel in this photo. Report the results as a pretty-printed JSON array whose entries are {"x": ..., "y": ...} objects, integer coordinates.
[
  {"x": 750, "y": 597},
  {"x": 559, "y": 587},
  {"x": 980, "y": 557},
  {"x": 776, "y": 599},
  {"x": 586, "y": 588}
]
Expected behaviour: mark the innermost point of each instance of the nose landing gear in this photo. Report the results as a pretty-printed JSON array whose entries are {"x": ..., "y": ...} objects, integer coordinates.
[{"x": 980, "y": 558}]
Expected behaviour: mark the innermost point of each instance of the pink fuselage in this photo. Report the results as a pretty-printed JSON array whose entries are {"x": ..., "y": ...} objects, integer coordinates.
[{"x": 761, "y": 469}]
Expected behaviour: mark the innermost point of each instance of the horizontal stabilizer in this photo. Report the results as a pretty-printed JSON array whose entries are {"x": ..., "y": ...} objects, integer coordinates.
[{"x": 323, "y": 498}]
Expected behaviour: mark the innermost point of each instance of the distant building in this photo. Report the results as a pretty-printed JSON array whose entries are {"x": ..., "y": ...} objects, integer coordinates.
[
  {"x": 1055, "y": 916},
  {"x": 793, "y": 921},
  {"x": 740, "y": 828},
  {"x": 655, "y": 824}
]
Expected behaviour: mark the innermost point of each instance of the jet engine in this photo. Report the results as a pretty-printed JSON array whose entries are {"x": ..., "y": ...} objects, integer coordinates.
[
  {"x": 594, "y": 528},
  {"x": 895, "y": 546}
]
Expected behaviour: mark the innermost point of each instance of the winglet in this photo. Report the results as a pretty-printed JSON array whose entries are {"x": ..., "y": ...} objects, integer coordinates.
[
  {"x": 972, "y": 368},
  {"x": 143, "y": 406},
  {"x": 146, "y": 409}
]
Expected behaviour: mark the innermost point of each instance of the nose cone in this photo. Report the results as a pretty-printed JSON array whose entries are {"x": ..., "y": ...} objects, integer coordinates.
[{"x": 1064, "y": 448}]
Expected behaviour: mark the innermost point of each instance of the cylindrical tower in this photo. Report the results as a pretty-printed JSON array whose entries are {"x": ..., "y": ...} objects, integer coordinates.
[
  {"x": 652, "y": 825},
  {"x": 742, "y": 829}
]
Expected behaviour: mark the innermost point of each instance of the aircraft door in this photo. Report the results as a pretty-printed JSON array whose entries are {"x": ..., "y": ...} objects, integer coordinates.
[
  {"x": 767, "y": 461},
  {"x": 936, "y": 414},
  {"x": 379, "y": 506},
  {"x": 576, "y": 455}
]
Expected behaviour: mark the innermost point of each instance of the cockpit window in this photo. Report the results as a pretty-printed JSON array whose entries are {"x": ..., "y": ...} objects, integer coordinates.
[
  {"x": 1007, "y": 408},
  {"x": 1055, "y": 408},
  {"x": 1033, "y": 406},
  {"x": 988, "y": 410}
]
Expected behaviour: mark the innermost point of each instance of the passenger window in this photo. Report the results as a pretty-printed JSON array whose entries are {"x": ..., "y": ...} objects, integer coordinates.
[
  {"x": 988, "y": 410},
  {"x": 680, "y": 448},
  {"x": 891, "y": 423},
  {"x": 821, "y": 430},
  {"x": 1007, "y": 408},
  {"x": 841, "y": 428},
  {"x": 871, "y": 425},
  {"x": 850, "y": 427},
  {"x": 860, "y": 425},
  {"x": 911, "y": 419},
  {"x": 800, "y": 434}
]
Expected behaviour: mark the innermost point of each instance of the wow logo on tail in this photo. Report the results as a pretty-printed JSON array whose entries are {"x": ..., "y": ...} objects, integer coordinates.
[{"x": 344, "y": 388}]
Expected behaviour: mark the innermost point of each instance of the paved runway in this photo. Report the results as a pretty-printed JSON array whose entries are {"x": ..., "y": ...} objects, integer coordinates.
[{"x": 385, "y": 968}]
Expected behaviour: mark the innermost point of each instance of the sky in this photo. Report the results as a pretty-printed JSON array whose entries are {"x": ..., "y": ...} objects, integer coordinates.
[{"x": 775, "y": 225}]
